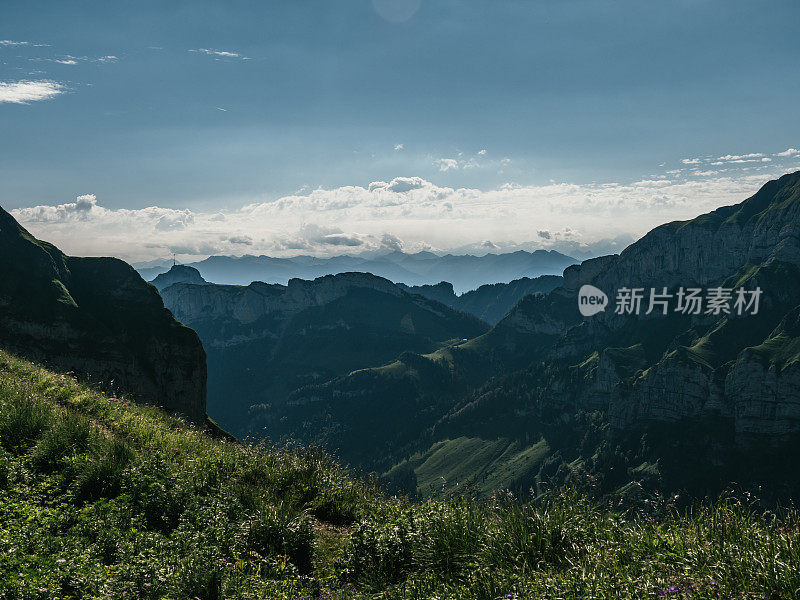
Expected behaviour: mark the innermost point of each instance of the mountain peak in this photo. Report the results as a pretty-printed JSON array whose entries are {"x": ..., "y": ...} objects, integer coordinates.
[
  {"x": 178, "y": 274},
  {"x": 97, "y": 318}
]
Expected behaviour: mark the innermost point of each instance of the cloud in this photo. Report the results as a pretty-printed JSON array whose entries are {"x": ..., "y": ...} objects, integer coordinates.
[
  {"x": 691, "y": 161},
  {"x": 445, "y": 164},
  {"x": 398, "y": 147},
  {"x": 544, "y": 234},
  {"x": 789, "y": 152},
  {"x": 240, "y": 240},
  {"x": 23, "y": 92},
  {"x": 68, "y": 59},
  {"x": 482, "y": 152},
  {"x": 401, "y": 185},
  {"x": 13, "y": 43},
  {"x": 219, "y": 53},
  {"x": 736, "y": 157},
  {"x": 391, "y": 242}
]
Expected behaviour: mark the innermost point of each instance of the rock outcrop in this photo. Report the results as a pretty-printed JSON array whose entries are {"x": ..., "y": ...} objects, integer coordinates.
[
  {"x": 96, "y": 317},
  {"x": 178, "y": 274}
]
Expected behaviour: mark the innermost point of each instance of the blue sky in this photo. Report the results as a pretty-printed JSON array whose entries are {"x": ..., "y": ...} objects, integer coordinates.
[{"x": 184, "y": 119}]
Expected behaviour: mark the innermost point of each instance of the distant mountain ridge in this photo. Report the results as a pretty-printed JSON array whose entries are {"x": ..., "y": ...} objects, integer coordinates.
[
  {"x": 465, "y": 272},
  {"x": 97, "y": 318},
  {"x": 266, "y": 340},
  {"x": 490, "y": 302}
]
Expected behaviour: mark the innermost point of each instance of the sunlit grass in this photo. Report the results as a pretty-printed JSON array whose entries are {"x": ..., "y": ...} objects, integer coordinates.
[{"x": 106, "y": 499}]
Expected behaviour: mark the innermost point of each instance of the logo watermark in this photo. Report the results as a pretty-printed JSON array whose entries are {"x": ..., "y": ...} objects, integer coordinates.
[
  {"x": 591, "y": 300},
  {"x": 687, "y": 301}
]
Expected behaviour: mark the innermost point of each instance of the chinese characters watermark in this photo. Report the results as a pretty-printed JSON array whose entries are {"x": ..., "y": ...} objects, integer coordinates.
[{"x": 687, "y": 301}]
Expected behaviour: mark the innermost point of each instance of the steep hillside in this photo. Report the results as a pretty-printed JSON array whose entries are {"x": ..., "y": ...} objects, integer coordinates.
[
  {"x": 675, "y": 400},
  {"x": 96, "y": 317},
  {"x": 490, "y": 302},
  {"x": 100, "y": 498},
  {"x": 267, "y": 340}
]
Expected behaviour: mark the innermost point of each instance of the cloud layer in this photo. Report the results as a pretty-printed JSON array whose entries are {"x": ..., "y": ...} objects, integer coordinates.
[{"x": 409, "y": 213}]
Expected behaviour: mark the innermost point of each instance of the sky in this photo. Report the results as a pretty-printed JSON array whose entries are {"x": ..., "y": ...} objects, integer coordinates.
[{"x": 143, "y": 129}]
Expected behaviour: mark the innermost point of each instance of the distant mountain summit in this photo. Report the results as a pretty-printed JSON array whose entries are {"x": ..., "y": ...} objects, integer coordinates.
[
  {"x": 178, "y": 274},
  {"x": 97, "y": 318},
  {"x": 464, "y": 272}
]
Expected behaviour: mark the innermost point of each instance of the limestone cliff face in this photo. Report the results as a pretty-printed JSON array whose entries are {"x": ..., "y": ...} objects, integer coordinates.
[
  {"x": 247, "y": 304},
  {"x": 97, "y": 318},
  {"x": 764, "y": 383},
  {"x": 755, "y": 243}
]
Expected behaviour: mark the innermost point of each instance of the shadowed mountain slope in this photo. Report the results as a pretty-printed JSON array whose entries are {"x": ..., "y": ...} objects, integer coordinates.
[
  {"x": 97, "y": 318},
  {"x": 490, "y": 302},
  {"x": 266, "y": 340}
]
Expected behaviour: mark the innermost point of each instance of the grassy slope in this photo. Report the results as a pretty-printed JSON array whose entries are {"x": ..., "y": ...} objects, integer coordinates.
[{"x": 102, "y": 498}]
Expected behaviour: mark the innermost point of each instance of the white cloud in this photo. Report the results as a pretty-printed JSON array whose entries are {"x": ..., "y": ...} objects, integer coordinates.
[
  {"x": 738, "y": 157},
  {"x": 23, "y": 92},
  {"x": 789, "y": 152},
  {"x": 482, "y": 152},
  {"x": 445, "y": 164},
  {"x": 219, "y": 53},
  {"x": 13, "y": 43},
  {"x": 691, "y": 161},
  {"x": 398, "y": 147}
]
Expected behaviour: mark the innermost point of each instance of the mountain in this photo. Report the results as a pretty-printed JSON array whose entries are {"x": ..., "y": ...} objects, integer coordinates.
[
  {"x": 490, "y": 302},
  {"x": 266, "y": 340},
  {"x": 613, "y": 401},
  {"x": 103, "y": 498},
  {"x": 178, "y": 274},
  {"x": 465, "y": 272},
  {"x": 96, "y": 317}
]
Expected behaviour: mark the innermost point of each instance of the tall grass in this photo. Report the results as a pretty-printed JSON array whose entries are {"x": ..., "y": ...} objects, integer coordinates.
[{"x": 100, "y": 498}]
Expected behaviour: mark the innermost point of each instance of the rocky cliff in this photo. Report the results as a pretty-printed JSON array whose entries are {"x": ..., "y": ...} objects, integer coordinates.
[
  {"x": 247, "y": 304},
  {"x": 697, "y": 365},
  {"x": 178, "y": 274},
  {"x": 97, "y": 318}
]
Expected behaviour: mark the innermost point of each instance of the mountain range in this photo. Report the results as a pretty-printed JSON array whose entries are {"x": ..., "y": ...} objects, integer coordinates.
[
  {"x": 399, "y": 380},
  {"x": 465, "y": 272},
  {"x": 616, "y": 402}
]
